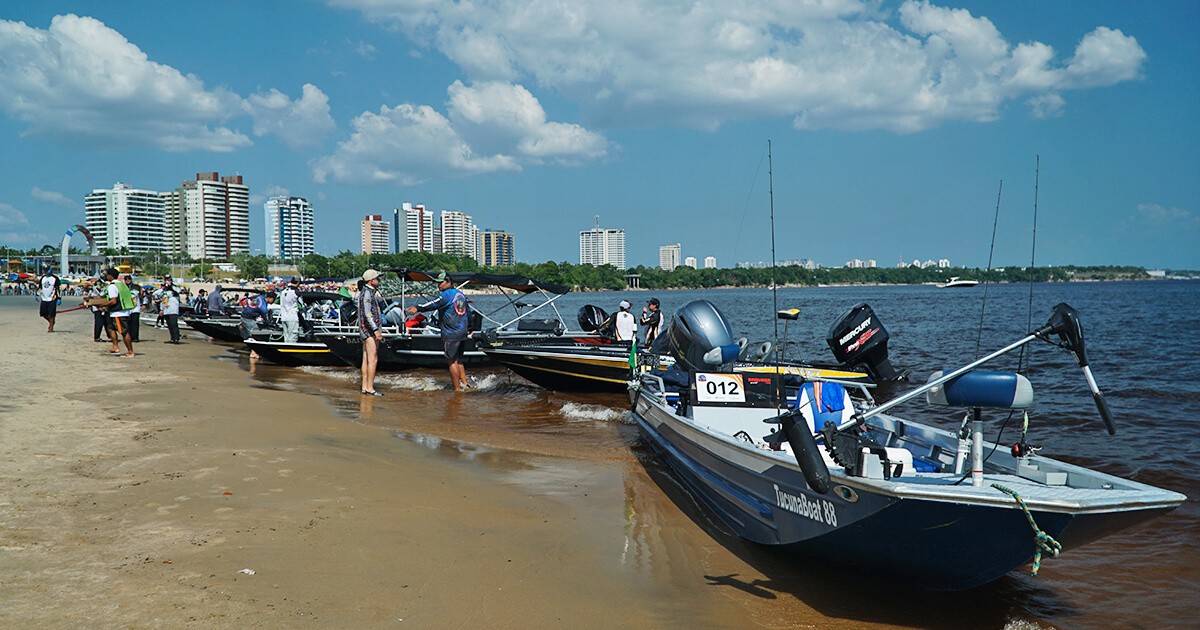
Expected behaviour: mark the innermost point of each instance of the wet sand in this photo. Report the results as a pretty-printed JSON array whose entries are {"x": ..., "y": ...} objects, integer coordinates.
[{"x": 136, "y": 490}]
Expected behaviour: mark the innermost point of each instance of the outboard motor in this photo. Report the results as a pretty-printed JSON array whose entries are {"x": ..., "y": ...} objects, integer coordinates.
[
  {"x": 859, "y": 342},
  {"x": 591, "y": 317},
  {"x": 701, "y": 339}
]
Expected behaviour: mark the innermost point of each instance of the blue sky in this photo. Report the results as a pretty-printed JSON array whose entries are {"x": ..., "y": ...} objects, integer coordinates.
[{"x": 892, "y": 123}]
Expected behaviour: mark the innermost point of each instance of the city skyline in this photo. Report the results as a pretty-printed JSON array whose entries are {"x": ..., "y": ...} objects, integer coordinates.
[{"x": 892, "y": 123}]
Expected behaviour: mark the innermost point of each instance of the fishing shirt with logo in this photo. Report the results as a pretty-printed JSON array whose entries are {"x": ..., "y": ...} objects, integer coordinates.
[{"x": 453, "y": 312}]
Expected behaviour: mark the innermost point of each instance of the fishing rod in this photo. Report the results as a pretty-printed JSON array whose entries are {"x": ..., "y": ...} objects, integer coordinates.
[{"x": 987, "y": 275}]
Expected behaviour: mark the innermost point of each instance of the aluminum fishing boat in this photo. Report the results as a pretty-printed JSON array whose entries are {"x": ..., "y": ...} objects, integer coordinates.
[{"x": 839, "y": 479}]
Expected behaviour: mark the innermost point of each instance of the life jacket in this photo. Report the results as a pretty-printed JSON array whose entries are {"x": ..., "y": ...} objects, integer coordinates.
[{"x": 124, "y": 298}]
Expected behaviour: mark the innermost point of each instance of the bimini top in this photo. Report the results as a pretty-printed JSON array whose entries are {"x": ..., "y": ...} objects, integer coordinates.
[
  {"x": 308, "y": 297},
  {"x": 514, "y": 282}
]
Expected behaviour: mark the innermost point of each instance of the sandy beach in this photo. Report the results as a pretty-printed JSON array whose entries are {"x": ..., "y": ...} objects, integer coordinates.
[{"x": 136, "y": 491}]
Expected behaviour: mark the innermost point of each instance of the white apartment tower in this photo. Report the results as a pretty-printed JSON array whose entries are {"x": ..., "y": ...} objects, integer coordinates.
[
  {"x": 208, "y": 217},
  {"x": 289, "y": 222},
  {"x": 125, "y": 217},
  {"x": 460, "y": 236},
  {"x": 668, "y": 256},
  {"x": 376, "y": 235},
  {"x": 414, "y": 229},
  {"x": 690, "y": 261},
  {"x": 710, "y": 262},
  {"x": 602, "y": 246}
]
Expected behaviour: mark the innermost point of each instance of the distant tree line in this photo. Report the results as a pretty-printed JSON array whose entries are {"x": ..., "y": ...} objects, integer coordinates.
[{"x": 588, "y": 277}]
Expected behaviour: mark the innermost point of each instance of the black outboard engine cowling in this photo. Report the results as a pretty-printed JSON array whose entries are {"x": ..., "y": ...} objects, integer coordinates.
[
  {"x": 590, "y": 318},
  {"x": 859, "y": 342},
  {"x": 701, "y": 339}
]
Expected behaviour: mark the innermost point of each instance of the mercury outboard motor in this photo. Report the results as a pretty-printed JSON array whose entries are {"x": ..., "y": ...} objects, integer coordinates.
[
  {"x": 859, "y": 342},
  {"x": 701, "y": 339},
  {"x": 590, "y": 318}
]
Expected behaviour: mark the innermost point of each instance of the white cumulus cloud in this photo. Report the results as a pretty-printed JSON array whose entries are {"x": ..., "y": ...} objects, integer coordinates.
[
  {"x": 303, "y": 122},
  {"x": 15, "y": 229},
  {"x": 490, "y": 127},
  {"x": 53, "y": 197},
  {"x": 826, "y": 63},
  {"x": 81, "y": 82},
  {"x": 1158, "y": 215}
]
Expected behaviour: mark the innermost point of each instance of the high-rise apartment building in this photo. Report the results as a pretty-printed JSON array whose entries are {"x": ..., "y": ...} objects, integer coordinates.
[
  {"x": 289, "y": 222},
  {"x": 496, "y": 248},
  {"x": 690, "y": 261},
  {"x": 125, "y": 217},
  {"x": 668, "y": 256},
  {"x": 208, "y": 217},
  {"x": 376, "y": 235},
  {"x": 710, "y": 262},
  {"x": 602, "y": 246},
  {"x": 460, "y": 236},
  {"x": 414, "y": 229}
]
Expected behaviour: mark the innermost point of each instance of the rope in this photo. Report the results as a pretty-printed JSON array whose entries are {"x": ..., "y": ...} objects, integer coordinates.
[{"x": 1044, "y": 543}]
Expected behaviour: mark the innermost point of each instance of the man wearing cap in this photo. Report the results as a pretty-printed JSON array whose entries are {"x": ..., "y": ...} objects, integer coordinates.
[
  {"x": 120, "y": 304},
  {"x": 651, "y": 321},
  {"x": 454, "y": 313},
  {"x": 622, "y": 323},
  {"x": 370, "y": 329},
  {"x": 289, "y": 312}
]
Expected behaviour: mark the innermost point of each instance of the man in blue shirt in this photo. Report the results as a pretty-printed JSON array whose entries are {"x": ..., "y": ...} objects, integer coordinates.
[
  {"x": 258, "y": 307},
  {"x": 453, "y": 314}
]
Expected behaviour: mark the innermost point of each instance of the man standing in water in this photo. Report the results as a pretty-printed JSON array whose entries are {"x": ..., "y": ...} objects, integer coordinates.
[
  {"x": 454, "y": 313},
  {"x": 48, "y": 298},
  {"x": 370, "y": 329}
]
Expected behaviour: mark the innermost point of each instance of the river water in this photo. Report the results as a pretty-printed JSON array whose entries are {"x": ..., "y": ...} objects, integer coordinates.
[{"x": 1141, "y": 354}]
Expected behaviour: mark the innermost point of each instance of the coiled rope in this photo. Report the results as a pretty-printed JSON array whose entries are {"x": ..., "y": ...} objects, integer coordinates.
[{"x": 1043, "y": 542}]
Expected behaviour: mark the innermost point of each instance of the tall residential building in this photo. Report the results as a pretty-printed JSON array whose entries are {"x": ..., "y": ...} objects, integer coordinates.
[
  {"x": 602, "y": 246},
  {"x": 710, "y": 262},
  {"x": 668, "y": 256},
  {"x": 208, "y": 217},
  {"x": 414, "y": 228},
  {"x": 690, "y": 261},
  {"x": 289, "y": 222},
  {"x": 124, "y": 216},
  {"x": 376, "y": 235},
  {"x": 496, "y": 248},
  {"x": 460, "y": 236}
]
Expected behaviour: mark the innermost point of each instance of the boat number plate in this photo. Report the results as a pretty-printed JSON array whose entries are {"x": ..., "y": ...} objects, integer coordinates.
[{"x": 720, "y": 388}]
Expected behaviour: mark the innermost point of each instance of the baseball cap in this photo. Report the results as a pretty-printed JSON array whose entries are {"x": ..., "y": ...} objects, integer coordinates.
[
  {"x": 440, "y": 277},
  {"x": 625, "y": 304},
  {"x": 370, "y": 275},
  {"x": 654, "y": 301}
]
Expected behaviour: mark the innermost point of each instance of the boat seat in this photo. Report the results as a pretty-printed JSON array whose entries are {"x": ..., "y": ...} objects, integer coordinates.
[
  {"x": 821, "y": 402},
  {"x": 539, "y": 325},
  {"x": 997, "y": 390}
]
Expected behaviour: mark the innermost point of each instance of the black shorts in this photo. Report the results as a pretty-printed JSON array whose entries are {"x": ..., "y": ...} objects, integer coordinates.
[
  {"x": 48, "y": 309},
  {"x": 119, "y": 324},
  {"x": 453, "y": 347}
]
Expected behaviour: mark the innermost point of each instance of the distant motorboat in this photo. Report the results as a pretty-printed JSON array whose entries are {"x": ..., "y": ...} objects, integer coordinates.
[{"x": 957, "y": 283}]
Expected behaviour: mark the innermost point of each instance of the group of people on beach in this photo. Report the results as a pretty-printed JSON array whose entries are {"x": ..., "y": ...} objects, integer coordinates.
[{"x": 116, "y": 304}]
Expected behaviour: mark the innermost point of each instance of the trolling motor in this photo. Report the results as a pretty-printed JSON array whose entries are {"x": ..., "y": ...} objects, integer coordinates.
[{"x": 1065, "y": 323}]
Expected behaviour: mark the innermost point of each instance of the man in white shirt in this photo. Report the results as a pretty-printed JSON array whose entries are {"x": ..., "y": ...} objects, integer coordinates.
[
  {"x": 120, "y": 304},
  {"x": 48, "y": 298},
  {"x": 622, "y": 323},
  {"x": 289, "y": 312}
]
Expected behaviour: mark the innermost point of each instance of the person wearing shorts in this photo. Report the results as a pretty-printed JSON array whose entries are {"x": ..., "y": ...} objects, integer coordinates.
[
  {"x": 120, "y": 305},
  {"x": 454, "y": 313},
  {"x": 48, "y": 296}
]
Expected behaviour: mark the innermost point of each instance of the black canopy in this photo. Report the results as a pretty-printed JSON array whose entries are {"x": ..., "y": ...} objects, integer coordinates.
[{"x": 508, "y": 281}]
